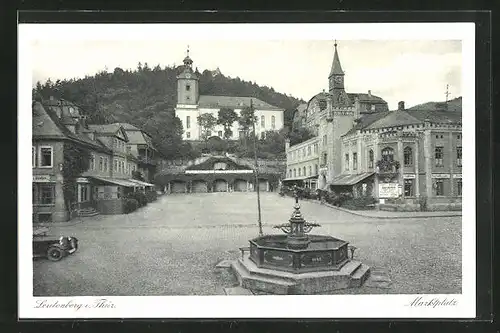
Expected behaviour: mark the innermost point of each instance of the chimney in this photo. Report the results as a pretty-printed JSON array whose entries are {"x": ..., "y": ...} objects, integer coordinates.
[
  {"x": 401, "y": 106},
  {"x": 370, "y": 93}
]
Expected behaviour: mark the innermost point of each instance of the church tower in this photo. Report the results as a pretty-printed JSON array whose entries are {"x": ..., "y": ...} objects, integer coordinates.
[
  {"x": 187, "y": 84},
  {"x": 336, "y": 82}
]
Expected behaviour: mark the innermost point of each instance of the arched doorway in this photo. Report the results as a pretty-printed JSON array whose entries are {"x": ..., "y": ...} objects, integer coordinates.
[
  {"x": 240, "y": 185},
  {"x": 178, "y": 187},
  {"x": 199, "y": 186},
  {"x": 220, "y": 185}
]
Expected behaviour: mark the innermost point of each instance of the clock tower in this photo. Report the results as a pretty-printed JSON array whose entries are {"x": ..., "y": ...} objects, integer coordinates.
[
  {"x": 336, "y": 82},
  {"x": 187, "y": 84}
]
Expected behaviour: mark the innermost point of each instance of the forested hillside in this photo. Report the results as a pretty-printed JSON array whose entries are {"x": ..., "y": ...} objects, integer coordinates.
[{"x": 146, "y": 97}]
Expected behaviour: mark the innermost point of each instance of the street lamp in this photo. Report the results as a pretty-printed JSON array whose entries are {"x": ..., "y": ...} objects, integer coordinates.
[{"x": 256, "y": 168}]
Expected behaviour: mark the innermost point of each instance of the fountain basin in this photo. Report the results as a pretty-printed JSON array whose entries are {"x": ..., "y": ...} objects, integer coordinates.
[{"x": 316, "y": 253}]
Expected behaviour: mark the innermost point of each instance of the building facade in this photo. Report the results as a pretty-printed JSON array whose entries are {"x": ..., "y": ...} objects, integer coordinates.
[
  {"x": 408, "y": 158},
  {"x": 190, "y": 105},
  {"x": 58, "y": 125}
]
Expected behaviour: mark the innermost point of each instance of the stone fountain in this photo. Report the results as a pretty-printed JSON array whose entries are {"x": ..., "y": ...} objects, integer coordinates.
[{"x": 297, "y": 263}]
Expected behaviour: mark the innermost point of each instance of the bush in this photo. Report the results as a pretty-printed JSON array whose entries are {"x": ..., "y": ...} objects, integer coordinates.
[
  {"x": 129, "y": 205},
  {"x": 151, "y": 196},
  {"x": 140, "y": 197},
  {"x": 361, "y": 203}
]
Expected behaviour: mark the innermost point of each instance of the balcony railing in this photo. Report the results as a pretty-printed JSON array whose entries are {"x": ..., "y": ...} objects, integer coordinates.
[{"x": 146, "y": 160}]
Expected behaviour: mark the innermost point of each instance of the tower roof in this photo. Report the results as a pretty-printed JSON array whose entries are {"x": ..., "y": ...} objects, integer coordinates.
[{"x": 336, "y": 67}]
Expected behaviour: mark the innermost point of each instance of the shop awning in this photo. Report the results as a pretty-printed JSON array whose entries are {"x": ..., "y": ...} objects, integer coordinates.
[
  {"x": 348, "y": 179},
  {"x": 140, "y": 182},
  {"x": 300, "y": 178},
  {"x": 114, "y": 181}
]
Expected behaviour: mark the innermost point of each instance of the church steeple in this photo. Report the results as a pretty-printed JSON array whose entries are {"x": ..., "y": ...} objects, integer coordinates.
[
  {"x": 336, "y": 77},
  {"x": 187, "y": 83}
]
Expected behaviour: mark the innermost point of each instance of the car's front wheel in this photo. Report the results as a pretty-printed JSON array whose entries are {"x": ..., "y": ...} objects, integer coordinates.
[{"x": 54, "y": 253}]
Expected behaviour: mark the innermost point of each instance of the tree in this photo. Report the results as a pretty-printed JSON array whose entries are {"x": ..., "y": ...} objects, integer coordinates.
[
  {"x": 300, "y": 134},
  {"x": 207, "y": 122},
  {"x": 226, "y": 118},
  {"x": 76, "y": 160}
]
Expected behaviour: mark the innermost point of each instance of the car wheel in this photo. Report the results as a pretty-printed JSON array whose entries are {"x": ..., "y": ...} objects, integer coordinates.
[{"x": 54, "y": 253}]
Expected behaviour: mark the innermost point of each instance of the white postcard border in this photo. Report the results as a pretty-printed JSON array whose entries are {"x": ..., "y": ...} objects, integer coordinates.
[{"x": 335, "y": 306}]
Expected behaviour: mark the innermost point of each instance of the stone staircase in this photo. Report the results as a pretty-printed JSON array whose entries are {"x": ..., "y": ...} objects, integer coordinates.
[{"x": 87, "y": 212}]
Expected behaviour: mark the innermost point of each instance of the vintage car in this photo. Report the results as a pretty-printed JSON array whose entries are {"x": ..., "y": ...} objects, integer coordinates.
[{"x": 52, "y": 247}]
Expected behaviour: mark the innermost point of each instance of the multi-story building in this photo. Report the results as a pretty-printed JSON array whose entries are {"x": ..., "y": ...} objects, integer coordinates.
[
  {"x": 354, "y": 132},
  {"x": 303, "y": 162},
  {"x": 405, "y": 158},
  {"x": 140, "y": 146},
  {"x": 57, "y": 126},
  {"x": 190, "y": 105}
]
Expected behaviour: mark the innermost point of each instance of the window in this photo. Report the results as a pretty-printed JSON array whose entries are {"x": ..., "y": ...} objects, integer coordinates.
[
  {"x": 373, "y": 107},
  {"x": 459, "y": 187},
  {"x": 324, "y": 140},
  {"x": 92, "y": 162},
  {"x": 439, "y": 187},
  {"x": 300, "y": 171},
  {"x": 188, "y": 135},
  {"x": 100, "y": 163},
  {"x": 438, "y": 156},
  {"x": 290, "y": 173},
  {"x": 262, "y": 121},
  {"x": 45, "y": 156},
  {"x": 304, "y": 152},
  {"x": 84, "y": 194},
  {"x": 325, "y": 158},
  {"x": 346, "y": 166},
  {"x": 316, "y": 170},
  {"x": 388, "y": 154},
  {"x": 408, "y": 156},
  {"x": 304, "y": 169},
  {"x": 370, "y": 159},
  {"x": 354, "y": 161},
  {"x": 188, "y": 122},
  {"x": 310, "y": 170},
  {"x": 295, "y": 172},
  {"x": 273, "y": 122},
  {"x": 309, "y": 151},
  {"x": 315, "y": 148},
  {"x": 219, "y": 134},
  {"x": 129, "y": 148},
  {"x": 115, "y": 165},
  {"x": 188, "y": 87},
  {"x": 220, "y": 166},
  {"x": 105, "y": 164},
  {"x": 46, "y": 193},
  {"x": 408, "y": 187},
  {"x": 459, "y": 156}
]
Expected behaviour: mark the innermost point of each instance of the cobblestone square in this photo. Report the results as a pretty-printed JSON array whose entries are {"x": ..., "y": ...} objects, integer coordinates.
[{"x": 171, "y": 247}]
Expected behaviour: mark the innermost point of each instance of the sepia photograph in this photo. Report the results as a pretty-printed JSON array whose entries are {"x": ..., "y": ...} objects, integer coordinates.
[{"x": 328, "y": 164}]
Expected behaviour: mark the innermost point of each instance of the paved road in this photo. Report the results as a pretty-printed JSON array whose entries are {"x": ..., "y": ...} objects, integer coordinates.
[{"x": 171, "y": 246}]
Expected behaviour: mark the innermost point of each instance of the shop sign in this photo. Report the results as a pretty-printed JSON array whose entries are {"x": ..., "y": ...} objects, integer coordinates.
[
  {"x": 388, "y": 190},
  {"x": 457, "y": 176},
  {"x": 440, "y": 175},
  {"x": 82, "y": 180},
  {"x": 42, "y": 178},
  {"x": 409, "y": 176}
]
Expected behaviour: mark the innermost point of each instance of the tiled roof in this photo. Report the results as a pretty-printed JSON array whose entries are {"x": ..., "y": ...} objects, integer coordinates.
[
  {"x": 106, "y": 128},
  {"x": 437, "y": 116},
  {"x": 127, "y": 126},
  {"x": 394, "y": 118},
  {"x": 366, "y": 98},
  {"x": 234, "y": 102},
  {"x": 47, "y": 124},
  {"x": 366, "y": 120}
]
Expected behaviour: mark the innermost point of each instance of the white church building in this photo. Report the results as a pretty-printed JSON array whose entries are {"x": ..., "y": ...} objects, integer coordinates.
[{"x": 190, "y": 105}]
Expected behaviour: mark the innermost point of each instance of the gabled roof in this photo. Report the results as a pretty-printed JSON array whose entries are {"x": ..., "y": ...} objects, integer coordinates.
[
  {"x": 208, "y": 101},
  {"x": 366, "y": 98},
  {"x": 46, "y": 124},
  {"x": 109, "y": 129}
]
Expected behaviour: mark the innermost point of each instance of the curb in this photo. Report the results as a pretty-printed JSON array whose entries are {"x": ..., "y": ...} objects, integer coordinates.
[{"x": 383, "y": 217}]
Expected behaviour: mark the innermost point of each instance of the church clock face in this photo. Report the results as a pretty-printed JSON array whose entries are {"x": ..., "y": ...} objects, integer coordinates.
[
  {"x": 188, "y": 76},
  {"x": 338, "y": 79}
]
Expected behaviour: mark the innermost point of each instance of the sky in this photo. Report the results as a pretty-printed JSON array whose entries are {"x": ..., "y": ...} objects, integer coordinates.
[{"x": 414, "y": 71}]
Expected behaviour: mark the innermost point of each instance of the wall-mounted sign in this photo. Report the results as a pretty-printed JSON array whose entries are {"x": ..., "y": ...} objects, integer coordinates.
[
  {"x": 440, "y": 175},
  {"x": 388, "y": 190},
  {"x": 409, "y": 176},
  {"x": 42, "y": 178},
  {"x": 82, "y": 180},
  {"x": 457, "y": 176}
]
